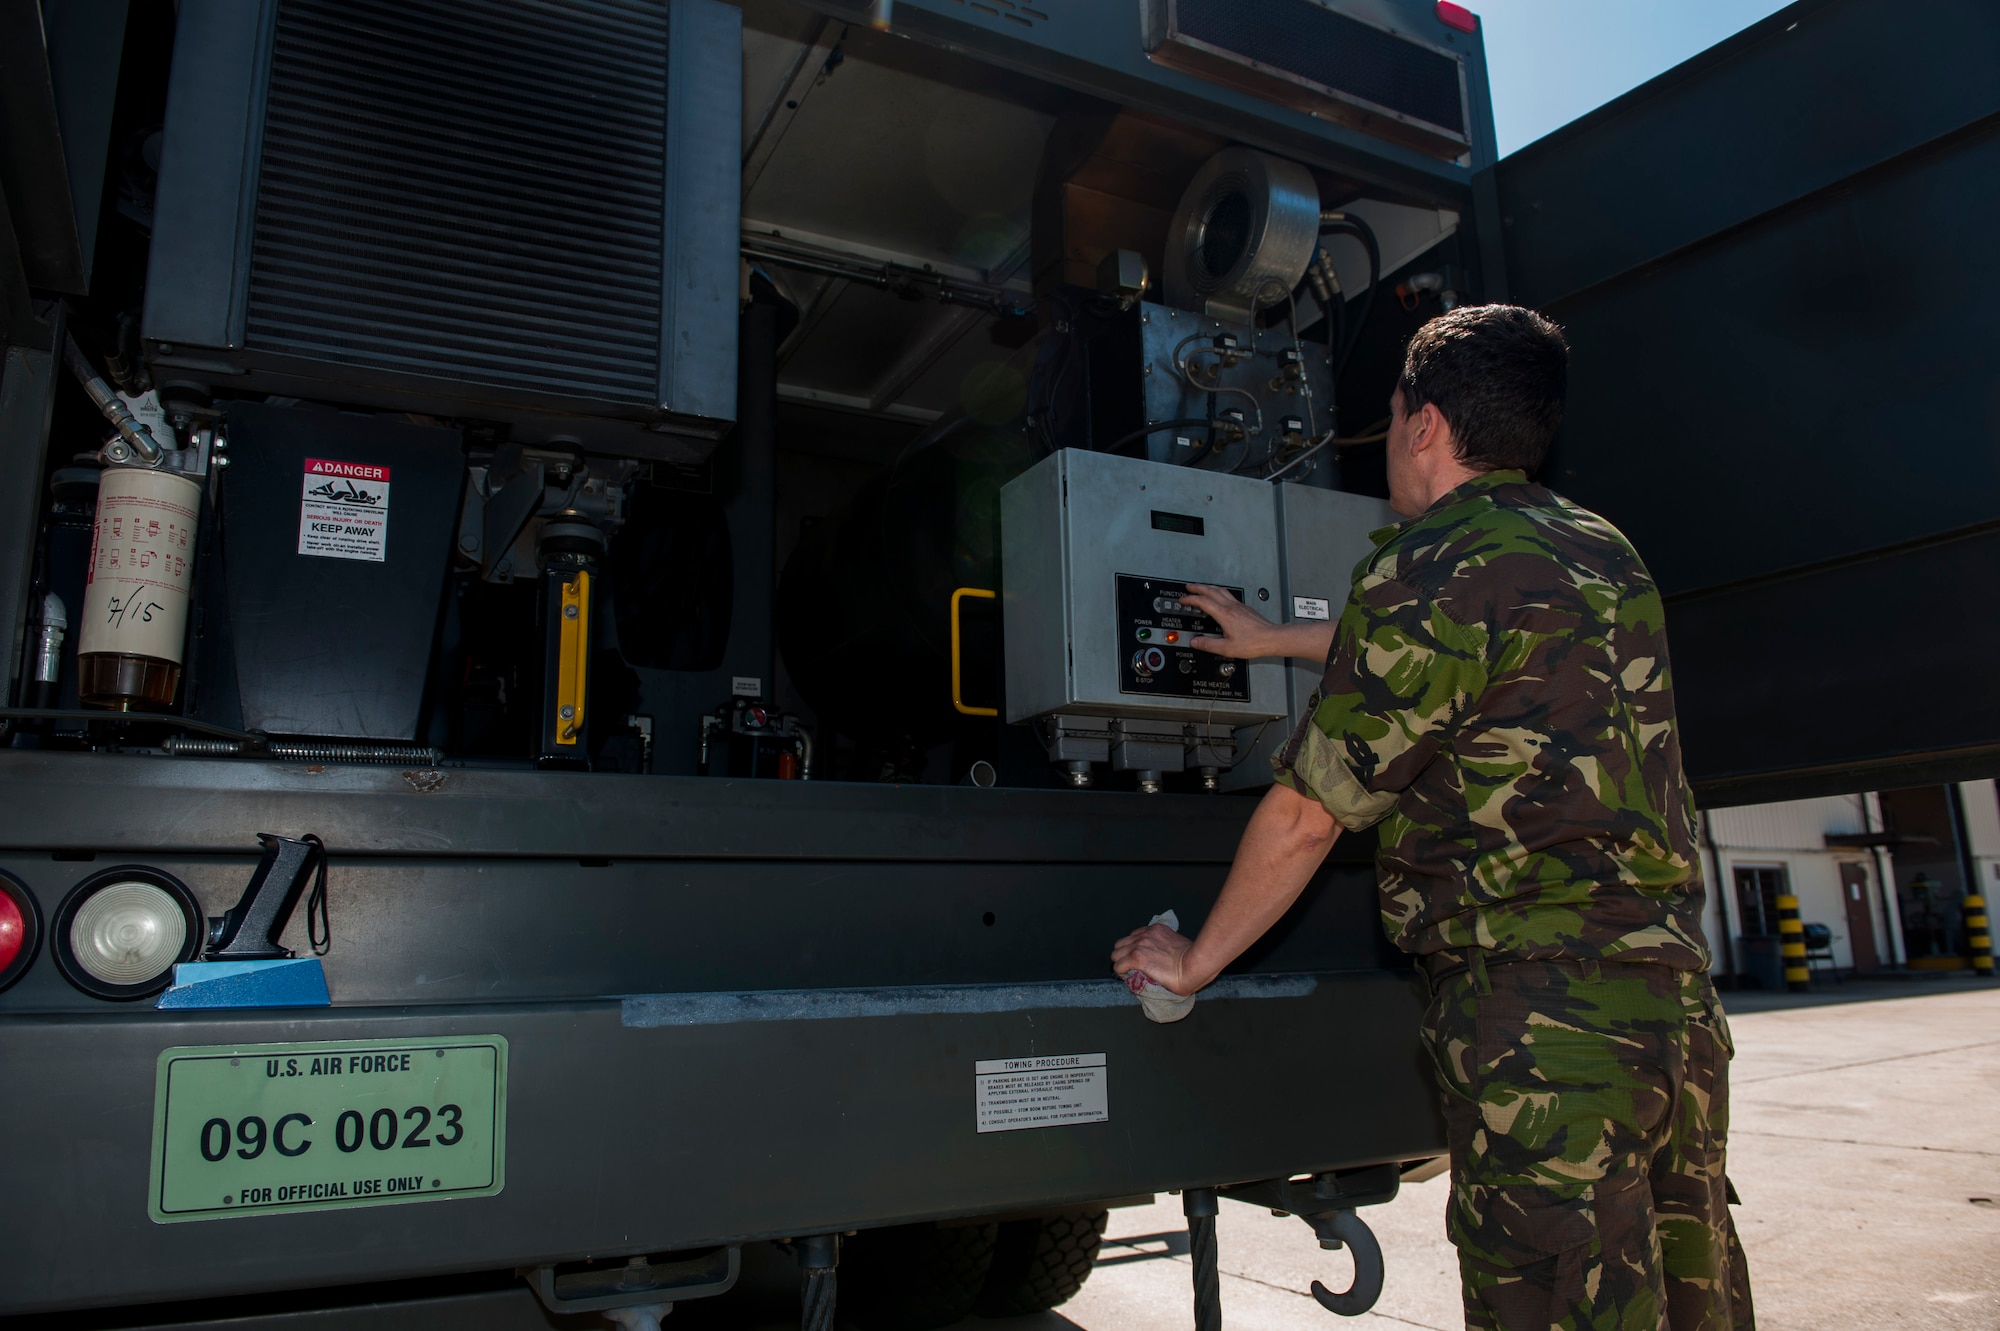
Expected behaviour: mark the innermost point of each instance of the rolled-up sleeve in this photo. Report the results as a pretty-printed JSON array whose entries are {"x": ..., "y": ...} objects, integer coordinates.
[{"x": 1401, "y": 679}]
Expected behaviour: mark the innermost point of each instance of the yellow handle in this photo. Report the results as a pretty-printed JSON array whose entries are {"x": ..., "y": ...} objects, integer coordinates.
[
  {"x": 956, "y": 700},
  {"x": 572, "y": 658}
]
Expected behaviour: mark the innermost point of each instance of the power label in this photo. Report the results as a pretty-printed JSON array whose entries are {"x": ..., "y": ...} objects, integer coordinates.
[
  {"x": 344, "y": 511},
  {"x": 1044, "y": 1092}
]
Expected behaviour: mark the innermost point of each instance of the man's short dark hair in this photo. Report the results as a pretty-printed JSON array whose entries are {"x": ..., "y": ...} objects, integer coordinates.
[{"x": 1498, "y": 374}]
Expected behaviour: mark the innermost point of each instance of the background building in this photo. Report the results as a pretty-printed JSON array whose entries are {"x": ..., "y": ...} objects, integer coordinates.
[{"x": 1885, "y": 872}]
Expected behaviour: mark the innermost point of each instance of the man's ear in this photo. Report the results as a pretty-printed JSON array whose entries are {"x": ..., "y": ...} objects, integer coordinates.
[{"x": 1429, "y": 430}]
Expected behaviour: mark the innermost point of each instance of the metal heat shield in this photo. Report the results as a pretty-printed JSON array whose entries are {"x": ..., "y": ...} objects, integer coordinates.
[{"x": 337, "y": 531}]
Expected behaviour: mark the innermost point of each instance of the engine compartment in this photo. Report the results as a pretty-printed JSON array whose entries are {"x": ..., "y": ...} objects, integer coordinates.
[{"x": 943, "y": 268}]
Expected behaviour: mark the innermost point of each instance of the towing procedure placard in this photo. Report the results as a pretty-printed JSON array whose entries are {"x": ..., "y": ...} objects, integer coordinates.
[
  {"x": 269, "y": 1128},
  {"x": 1044, "y": 1091}
]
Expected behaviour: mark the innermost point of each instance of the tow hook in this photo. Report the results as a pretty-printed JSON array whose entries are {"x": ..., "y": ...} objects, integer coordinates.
[{"x": 1327, "y": 1202}]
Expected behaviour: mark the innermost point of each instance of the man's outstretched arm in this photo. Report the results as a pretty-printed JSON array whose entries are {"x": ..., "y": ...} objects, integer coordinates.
[{"x": 1282, "y": 848}]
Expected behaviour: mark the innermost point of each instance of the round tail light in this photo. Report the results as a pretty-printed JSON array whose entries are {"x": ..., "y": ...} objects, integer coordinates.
[
  {"x": 20, "y": 928},
  {"x": 120, "y": 933}
]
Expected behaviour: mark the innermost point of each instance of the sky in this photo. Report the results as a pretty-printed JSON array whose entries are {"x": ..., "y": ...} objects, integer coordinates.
[{"x": 1550, "y": 61}]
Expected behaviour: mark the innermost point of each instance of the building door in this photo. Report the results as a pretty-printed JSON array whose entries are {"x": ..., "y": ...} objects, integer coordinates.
[{"x": 1860, "y": 916}]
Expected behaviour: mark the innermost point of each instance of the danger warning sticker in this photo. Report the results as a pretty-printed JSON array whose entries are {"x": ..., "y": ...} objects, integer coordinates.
[{"x": 344, "y": 513}]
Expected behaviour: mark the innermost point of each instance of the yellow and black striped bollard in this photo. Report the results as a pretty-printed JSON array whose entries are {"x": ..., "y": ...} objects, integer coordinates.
[
  {"x": 1978, "y": 935},
  {"x": 1792, "y": 943}
]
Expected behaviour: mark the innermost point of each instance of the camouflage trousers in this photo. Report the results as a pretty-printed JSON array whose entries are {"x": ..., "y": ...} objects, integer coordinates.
[{"x": 1587, "y": 1107}]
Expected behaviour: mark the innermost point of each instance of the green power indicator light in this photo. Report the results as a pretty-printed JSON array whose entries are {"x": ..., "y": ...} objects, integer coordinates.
[{"x": 1145, "y": 634}]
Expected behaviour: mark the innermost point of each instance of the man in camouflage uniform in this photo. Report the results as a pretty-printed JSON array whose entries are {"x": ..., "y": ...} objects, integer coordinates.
[{"x": 1497, "y": 701}]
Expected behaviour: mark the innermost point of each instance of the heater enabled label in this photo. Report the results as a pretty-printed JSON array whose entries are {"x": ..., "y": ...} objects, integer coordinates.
[
  {"x": 270, "y": 1128},
  {"x": 344, "y": 513},
  {"x": 1040, "y": 1092}
]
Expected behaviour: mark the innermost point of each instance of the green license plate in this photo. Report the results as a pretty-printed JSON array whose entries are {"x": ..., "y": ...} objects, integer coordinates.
[{"x": 268, "y": 1128}]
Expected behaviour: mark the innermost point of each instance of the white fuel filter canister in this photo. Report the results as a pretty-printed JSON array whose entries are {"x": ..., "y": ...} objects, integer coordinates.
[{"x": 133, "y": 638}]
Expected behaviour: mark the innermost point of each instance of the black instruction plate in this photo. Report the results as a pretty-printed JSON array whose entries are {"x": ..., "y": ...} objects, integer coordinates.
[{"x": 1154, "y": 659}]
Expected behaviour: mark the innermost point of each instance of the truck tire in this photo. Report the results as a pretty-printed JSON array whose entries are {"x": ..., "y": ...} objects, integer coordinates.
[
  {"x": 914, "y": 1277},
  {"x": 1040, "y": 1263}
]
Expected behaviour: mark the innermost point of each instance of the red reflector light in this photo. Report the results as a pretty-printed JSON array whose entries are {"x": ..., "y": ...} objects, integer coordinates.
[
  {"x": 1457, "y": 16},
  {"x": 20, "y": 929},
  {"x": 13, "y": 929}
]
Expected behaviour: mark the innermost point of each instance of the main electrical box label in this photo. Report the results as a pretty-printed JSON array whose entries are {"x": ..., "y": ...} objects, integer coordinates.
[
  {"x": 1043, "y": 1092},
  {"x": 1311, "y": 607},
  {"x": 263, "y": 1129},
  {"x": 344, "y": 513},
  {"x": 1155, "y": 657}
]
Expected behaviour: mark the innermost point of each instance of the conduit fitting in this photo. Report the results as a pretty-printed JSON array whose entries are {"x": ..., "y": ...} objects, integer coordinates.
[{"x": 136, "y": 436}]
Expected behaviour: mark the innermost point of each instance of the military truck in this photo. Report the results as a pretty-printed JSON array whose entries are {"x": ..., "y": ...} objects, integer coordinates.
[{"x": 591, "y": 590}]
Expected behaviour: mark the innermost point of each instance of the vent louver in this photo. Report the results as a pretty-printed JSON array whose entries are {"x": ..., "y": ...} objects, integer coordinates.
[
  {"x": 522, "y": 212},
  {"x": 469, "y": 190},
  {"x": 1302, "y": 53}
]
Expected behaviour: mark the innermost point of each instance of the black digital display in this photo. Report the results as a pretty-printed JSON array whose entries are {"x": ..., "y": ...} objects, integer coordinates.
[{"x": 1187, "y": 524}]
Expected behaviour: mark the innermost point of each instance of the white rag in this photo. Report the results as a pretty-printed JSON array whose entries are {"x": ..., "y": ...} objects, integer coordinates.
[{"x": 1160, "y": 1003}]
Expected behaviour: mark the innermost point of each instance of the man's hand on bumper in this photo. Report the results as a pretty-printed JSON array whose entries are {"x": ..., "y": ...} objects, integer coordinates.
[
  {"x": 1286, "y": 840},
  {"x": 1161, "y": 954}
]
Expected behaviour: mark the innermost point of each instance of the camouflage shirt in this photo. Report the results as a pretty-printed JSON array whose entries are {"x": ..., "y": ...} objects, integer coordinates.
[{"x": 1498, "y": 700}]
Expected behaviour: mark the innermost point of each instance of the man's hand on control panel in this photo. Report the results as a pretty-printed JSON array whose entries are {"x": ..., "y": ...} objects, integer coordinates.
[{"x": 1247, "y": 634}]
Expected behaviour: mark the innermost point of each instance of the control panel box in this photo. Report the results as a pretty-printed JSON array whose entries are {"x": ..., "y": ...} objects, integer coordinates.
[
  {"x": 1096, "y": 550},
  {"x": 1160, "y": 631}
]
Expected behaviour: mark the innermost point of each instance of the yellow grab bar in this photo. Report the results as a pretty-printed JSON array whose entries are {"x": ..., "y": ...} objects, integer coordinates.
[
  {"x": 956, "y": 699},
  {"x": 573, "y": 657}
]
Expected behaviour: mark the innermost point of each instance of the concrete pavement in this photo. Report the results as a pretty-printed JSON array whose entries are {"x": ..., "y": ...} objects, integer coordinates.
[{"x": 1865, "y": 1145}]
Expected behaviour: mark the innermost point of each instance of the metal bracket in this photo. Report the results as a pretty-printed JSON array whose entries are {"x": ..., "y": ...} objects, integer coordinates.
[
  {"x": 655, "y": 1278},
  {"x": 249, "y": 930}
]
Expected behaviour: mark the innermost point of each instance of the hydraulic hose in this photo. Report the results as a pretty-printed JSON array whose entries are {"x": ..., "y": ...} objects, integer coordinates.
[
  {"x": 1337, "y": 223},
  {"x": 136, "y": 436},
  {"x": 1182, "y": 423},
  {"x": 819, "y": 1281},
  {"x": 1199, "y": 1205}
]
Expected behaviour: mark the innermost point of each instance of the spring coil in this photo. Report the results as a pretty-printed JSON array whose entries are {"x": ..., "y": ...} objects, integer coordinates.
[
  {"x": 185, "y": 746},
  {"x": 323, "y": 752}
]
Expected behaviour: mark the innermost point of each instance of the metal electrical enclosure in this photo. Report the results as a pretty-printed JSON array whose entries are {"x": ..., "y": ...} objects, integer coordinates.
[
  {"x": 1323, "y": 536},
  {"x": 346, "y": 211},
  {"x": 1076, "y": 526}
]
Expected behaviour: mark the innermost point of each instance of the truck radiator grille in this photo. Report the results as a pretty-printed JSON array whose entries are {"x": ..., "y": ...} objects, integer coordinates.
[{"x": 466, "y": 189}]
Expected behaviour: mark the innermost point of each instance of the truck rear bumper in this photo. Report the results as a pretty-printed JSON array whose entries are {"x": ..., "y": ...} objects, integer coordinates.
[{"x": 630, "y": 1134}]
